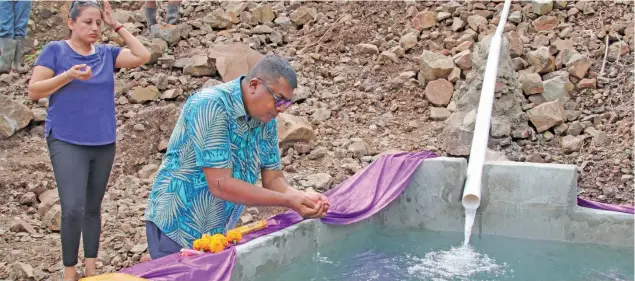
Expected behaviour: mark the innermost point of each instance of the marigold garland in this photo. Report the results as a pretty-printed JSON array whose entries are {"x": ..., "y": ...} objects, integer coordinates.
[
  {"x": 221, "y": 238},
  {"x": 216, "y": 246},
  {"x": 218, "y": 242},
  {"x": 234, "y": 236}
]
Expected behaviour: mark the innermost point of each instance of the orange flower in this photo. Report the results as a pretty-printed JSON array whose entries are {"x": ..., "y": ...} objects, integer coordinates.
[
  {"x": 216, "y": 246},
  {"x": 234, "y": 236},
  {"x": 205, "y": 245},
  {"x": 213, "y": 243},
  {"x": 221, "y": 238},
  {"x": 197, "y": 245},
  {"x": 201, "y": 245}
]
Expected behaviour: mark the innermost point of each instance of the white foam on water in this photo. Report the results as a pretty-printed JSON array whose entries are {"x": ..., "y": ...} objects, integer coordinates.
[
  {"x": 457, "y": 263},
  {"x": 321, "y": 259},
  {"x": 470, "y": 214}
]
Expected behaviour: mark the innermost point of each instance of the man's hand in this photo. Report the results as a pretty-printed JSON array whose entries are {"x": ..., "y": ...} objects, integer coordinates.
[
  {"x": 308, "y": 204},
  {"x": 319, "y": 197},
  {"x": 305, "y": 206}
]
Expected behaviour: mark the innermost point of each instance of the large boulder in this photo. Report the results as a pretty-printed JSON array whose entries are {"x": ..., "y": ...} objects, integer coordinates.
[
  {"x": 233, "y": 59},
  {"x": 541, "y": 7},
  {"x": 52, "y": 220},
  {"x": 439, "y": 92},
  {"x": 434, "y": 66},
  {"x": 47, "y": 199},
  {"x": 144, "y": 94},
  {"x": 424, "y": 20},
  {"x": 169, "y": 33},
  {"x": 303, "y": 15},
  {"x": 292, "y": 129},
  {"x": 199, "y": 65},
  {"x": 219, "y": 19},
  {"x": 547, "y": 115},
  {"x": 13, "y": 116}
]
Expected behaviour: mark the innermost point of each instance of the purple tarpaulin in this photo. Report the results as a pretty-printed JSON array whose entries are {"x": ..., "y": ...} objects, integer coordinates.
[
  {"x": 603, "y": 206},
  {"x": 176, "y": 267},
  {"x": 359, "y": 197}
]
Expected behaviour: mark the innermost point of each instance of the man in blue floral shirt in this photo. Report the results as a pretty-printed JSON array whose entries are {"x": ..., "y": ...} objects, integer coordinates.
[{"x": 224, "y": 138}]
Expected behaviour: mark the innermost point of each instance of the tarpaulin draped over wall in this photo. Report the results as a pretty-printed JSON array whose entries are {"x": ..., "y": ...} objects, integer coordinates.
[{"x": 372, "y": 189}]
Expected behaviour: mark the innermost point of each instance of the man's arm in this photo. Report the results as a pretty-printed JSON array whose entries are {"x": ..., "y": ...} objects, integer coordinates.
[
  {"x": 271, "y": 172},
  {"x": 274, "y": 180},
  {"x": 223, "y": 186},
  {"x": 208, "y": 124},
  {"x": 271, "y": 166}
]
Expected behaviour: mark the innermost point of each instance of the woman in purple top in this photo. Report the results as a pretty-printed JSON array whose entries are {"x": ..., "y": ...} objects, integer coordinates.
[{"x": 77, "y": 75}]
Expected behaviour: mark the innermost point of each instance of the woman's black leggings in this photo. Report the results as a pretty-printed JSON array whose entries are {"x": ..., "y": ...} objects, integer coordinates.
[{"x": 81, "y": 173}]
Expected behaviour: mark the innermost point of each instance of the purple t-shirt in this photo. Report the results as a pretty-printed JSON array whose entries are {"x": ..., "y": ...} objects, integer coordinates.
[{"x": 82, "y": 112}]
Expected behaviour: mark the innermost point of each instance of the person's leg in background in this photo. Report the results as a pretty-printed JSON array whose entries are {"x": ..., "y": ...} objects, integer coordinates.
[
  {"x": 22, "y": 12},
  {"x": 100, "y": 167},
  {"x": 150, "y": 8},
  {"x": 173, "y": 12},
  {"x": 71, "y": 168},
  {"x": 7, "y": 45}
]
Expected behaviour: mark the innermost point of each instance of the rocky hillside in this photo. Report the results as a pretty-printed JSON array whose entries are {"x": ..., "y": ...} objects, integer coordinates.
[{"x": 374, "y": 77}]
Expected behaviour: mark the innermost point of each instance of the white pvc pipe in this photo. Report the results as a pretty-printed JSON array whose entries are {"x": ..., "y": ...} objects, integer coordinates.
[{"x": 472, "y": 190}]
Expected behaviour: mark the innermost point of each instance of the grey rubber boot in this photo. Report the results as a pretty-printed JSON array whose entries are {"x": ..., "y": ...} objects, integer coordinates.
[
  {"x": 7, "y": 46},
  {"x": 151, "y": 16},
  {"x": 19, "y": 55},
  {"x": 173, "y": 14}
]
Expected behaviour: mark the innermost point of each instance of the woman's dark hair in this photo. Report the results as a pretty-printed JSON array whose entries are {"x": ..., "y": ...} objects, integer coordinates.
[{"x": 77, "y": 6}]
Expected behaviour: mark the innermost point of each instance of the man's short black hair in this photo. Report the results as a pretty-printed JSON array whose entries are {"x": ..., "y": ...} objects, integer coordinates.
[{"x": 271, "y": 67}]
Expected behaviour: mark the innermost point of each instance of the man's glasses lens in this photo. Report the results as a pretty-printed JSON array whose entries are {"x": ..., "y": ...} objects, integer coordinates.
[{"x": 280, "y": 102}]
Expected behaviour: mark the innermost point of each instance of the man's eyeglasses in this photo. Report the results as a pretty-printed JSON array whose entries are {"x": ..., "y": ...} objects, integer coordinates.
[{"x": 278, "y": 101}]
